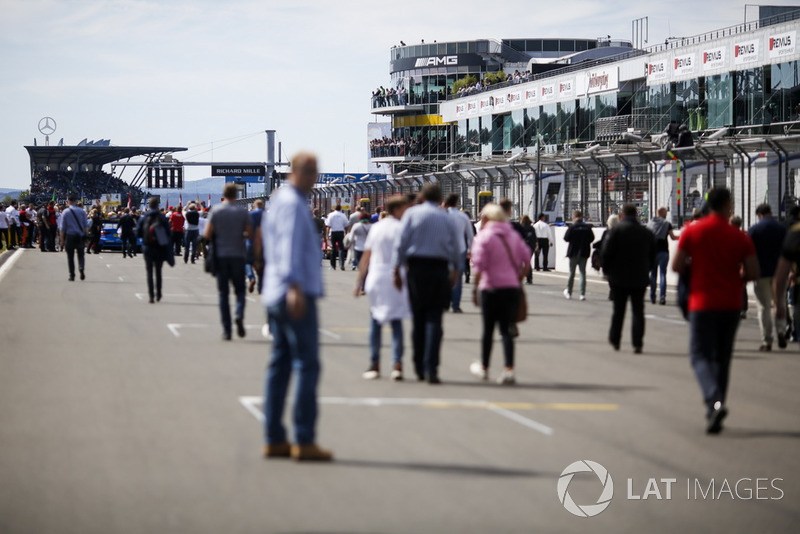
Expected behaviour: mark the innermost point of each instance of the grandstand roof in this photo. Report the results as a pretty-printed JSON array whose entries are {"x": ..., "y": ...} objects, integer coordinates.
[{"x": 56, "y": 156}]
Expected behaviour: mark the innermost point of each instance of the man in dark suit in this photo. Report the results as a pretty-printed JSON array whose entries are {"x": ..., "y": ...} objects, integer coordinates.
[
  {"x": 628, "y": 255},
  {"x": 580, "y": 237}
]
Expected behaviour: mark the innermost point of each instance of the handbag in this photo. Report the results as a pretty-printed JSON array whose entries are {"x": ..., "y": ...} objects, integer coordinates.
[{"x": 522, "y": 305}]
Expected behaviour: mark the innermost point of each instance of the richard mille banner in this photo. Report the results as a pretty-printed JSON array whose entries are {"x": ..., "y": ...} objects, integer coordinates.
[{"x": 238, "y": 170}]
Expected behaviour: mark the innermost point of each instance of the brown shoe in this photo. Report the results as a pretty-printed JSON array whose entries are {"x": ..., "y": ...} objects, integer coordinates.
[
  {"x": 278, "y": 450},
  {"x": 311, "y": 452}
]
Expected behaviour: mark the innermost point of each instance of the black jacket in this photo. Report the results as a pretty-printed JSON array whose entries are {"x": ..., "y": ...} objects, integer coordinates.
[
  {"x": 628, "y": 254},
  {"x": 580, "y": 237}
]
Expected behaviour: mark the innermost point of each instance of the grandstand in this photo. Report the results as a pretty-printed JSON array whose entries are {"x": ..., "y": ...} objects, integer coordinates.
[{"x": 60, "y": 171}]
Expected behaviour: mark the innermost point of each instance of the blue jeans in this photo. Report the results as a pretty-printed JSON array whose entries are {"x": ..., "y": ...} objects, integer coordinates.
[
  {"x": 190, "y": 239},
  {"x": 295, "y": 346},
  {"x": 375, "y": 329},
  {"x": 230, "y": 271},
  {"x": 711, "y": 338},
  {"x": 460, "y": 283},
  {"x": 662, "y": 258}
]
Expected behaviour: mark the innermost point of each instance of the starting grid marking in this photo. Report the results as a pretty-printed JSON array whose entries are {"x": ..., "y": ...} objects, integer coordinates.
[{"x": 504, "y": 409}]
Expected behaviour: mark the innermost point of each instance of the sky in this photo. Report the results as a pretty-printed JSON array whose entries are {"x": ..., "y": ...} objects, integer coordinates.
[{"x": 213, "y": 76}]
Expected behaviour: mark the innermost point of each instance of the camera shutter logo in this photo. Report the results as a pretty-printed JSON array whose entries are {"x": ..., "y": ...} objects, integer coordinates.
[{"x": 586, "y": 510}]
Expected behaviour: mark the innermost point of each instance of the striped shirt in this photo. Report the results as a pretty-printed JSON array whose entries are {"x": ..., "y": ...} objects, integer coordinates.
[{"x": 427, "y": 231}]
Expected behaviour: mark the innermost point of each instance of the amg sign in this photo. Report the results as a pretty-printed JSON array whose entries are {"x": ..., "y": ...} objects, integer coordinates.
[{"x": 435, "y": 61}]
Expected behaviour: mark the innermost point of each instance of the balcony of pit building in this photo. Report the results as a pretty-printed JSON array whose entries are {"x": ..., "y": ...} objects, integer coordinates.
[{"x": 393, "y": 101}]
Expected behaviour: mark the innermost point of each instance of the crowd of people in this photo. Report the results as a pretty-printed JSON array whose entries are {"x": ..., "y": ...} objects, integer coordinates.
[
  {"x": 413, "y": 256},
  {"x": 58, "y": 185},
  {"x": 394, "y": 146},
  {"x": 486, "y": 85},
  {"x": 382, "y": 97}
]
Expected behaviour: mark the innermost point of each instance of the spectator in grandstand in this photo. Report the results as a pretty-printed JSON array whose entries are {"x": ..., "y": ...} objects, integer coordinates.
[
  {"x": 228, "y": 226},
  {"x": 73, "y": 230},
  {"x": 153, "y": 228}
]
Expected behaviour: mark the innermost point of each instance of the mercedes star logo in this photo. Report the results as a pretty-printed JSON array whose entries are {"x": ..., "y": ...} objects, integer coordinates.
[{"x": 47, "y": 126}]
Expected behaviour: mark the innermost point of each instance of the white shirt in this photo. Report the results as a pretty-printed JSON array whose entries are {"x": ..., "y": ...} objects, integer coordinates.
[
  {"x": 542, "y": 230},
  {"x": 336, "y": 221},
  {"x": 12, "y": 215},
  {"x": 386, "y": 302},
  {"x": 3, "y": 220},
  {"x": 360, "y": 232}
]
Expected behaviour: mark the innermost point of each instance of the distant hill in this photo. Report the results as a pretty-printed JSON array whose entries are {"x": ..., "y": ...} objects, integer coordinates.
[
  {"x": 13, "y": 193},
  {"x": 201, "y": 188}
]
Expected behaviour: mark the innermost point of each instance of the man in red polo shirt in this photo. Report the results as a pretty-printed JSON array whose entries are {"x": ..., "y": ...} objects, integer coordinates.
[
  {"x": 176, "y": 223},
  {"x": 722, "y": 259}
]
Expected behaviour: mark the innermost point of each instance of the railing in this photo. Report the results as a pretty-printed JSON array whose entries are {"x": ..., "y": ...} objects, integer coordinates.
[
  {"x": 724, "y": 32},
  {"x": 668, "y": 45}
]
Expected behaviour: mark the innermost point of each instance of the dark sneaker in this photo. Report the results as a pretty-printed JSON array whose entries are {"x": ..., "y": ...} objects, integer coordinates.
[
  {"x": 240, "y": 327},
  {"x": 714, "y": 425}
]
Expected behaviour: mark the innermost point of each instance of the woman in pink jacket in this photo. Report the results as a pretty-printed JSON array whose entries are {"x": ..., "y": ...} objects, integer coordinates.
[{"x": 500, "y": 260}]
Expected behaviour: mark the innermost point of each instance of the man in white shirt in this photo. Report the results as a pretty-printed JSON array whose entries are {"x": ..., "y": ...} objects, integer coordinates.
[
  {"x": 335, "y": 225},
  {"x": 3, "y": 228},
  {"x": 14, "y": 230},
  {"x": 464, "y": 232},
  {"x": 542, "y": 230}
]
